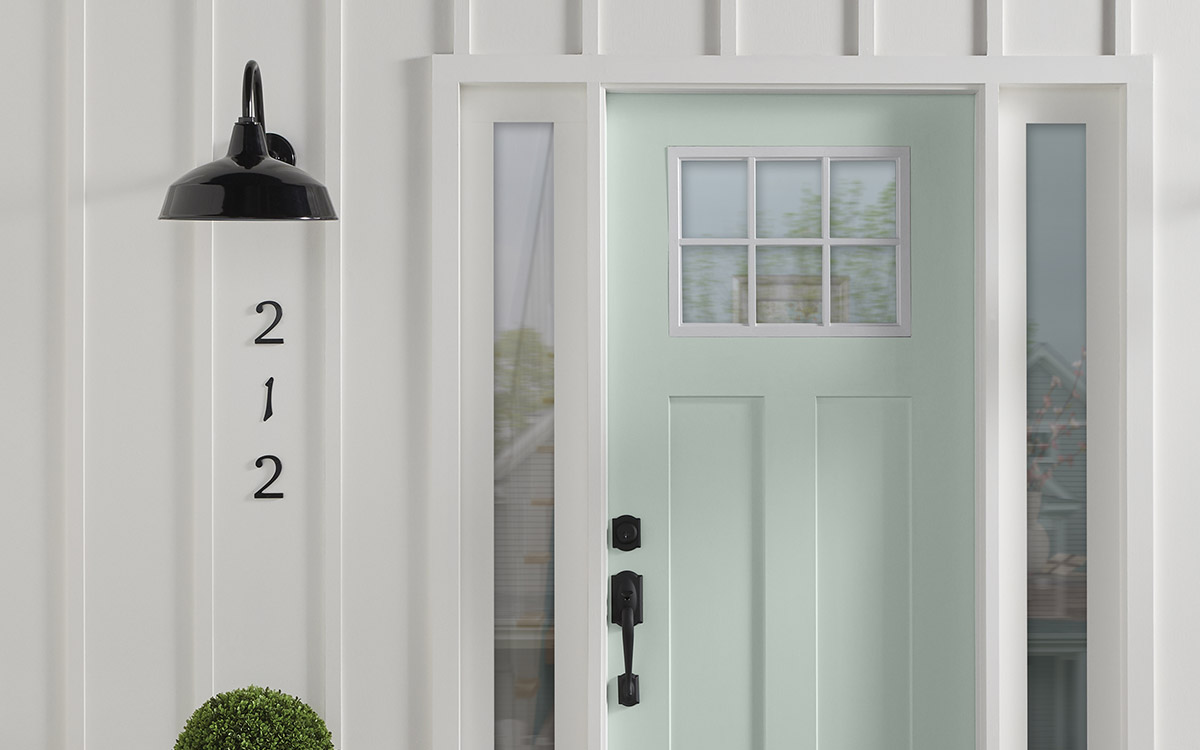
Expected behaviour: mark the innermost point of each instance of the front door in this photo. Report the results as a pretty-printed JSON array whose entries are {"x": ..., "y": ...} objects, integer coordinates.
[{"x": 791, "y": 417}]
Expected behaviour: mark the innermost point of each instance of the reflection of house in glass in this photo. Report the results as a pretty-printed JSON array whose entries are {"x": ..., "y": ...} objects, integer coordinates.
[{"x": 1057, "y": 549}]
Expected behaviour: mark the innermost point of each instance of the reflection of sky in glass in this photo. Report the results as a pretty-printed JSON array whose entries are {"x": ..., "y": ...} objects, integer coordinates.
[
  {"x": 862, "y": 198},
  {"x": 863, "y": 284},
  {"x": 523, "y": 208},
  {"x": 788, "y": 198},
  {"x": 1056, "y": 223},
  {"x": 710, "y": 276},
  {"x": 714, "y": 198}
]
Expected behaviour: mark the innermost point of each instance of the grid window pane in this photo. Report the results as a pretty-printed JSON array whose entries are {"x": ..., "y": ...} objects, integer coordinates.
[
  {"x": 862, "y": 284},
  {"x": 788, "y": 284},
  {"x": 714, "y": 284},
  {"x": 713, "y": 198},
  {"x": 788, "y": 198},
  {"x": 862, "y": 201}
]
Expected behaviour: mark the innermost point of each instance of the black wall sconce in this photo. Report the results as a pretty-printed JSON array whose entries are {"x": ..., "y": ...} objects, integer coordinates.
[{"x": 256, "y": 181}]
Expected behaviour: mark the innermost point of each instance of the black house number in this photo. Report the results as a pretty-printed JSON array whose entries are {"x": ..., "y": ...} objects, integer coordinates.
[{"x": 269, "y": 410}]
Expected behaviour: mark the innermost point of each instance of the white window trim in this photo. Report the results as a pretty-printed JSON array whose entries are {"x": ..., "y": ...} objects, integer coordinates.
[
  {"x": 751, "y": 155},
  {"x": 1000, "y": 688}
]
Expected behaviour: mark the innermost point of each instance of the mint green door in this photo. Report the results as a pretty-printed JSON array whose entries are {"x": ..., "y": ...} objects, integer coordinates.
[{"x": 807, "y": 504}]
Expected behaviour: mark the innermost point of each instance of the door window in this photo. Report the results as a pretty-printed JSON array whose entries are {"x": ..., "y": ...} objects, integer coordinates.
[{"x": 826, "y": 253}]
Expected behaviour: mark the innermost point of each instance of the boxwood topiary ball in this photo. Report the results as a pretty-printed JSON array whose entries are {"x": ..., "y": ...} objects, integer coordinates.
[{"x": 254, "y": 718}]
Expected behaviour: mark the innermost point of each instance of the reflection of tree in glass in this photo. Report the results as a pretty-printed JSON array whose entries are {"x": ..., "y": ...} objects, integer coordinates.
[
  {"x": 850, "y": 217},
  {"x": 524, "y": 379},
  {"x": 869, "y": 286},
  {"x": 708, "y": 278},
  {"x": 804, "y": 222},
  {"x": 869, "y": 273}
]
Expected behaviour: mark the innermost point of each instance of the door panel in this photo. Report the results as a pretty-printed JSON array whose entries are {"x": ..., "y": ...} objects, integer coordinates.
[{"x": 808, "y": 504}]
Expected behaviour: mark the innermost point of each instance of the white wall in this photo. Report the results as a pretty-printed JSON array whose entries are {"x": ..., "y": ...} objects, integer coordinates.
[{"x": 137, "y": 575}]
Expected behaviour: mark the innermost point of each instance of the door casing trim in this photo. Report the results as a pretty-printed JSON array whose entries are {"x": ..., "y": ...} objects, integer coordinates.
[{"x": 1000, "y": 690}]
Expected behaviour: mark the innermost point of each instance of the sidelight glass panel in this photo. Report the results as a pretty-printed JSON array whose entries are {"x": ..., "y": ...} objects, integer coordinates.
[
  {"x": 787, "y": 199},
  {"x": 1056, "y": 435},
  {"x": 788, "y": 284},
  {"x": 862, "y": 199},
  {"x": 523, "y": 170},
  {"x": 714, "y": 284},
  {"x": 862, "y": 284},
  {"x": 713, "y": 198}
]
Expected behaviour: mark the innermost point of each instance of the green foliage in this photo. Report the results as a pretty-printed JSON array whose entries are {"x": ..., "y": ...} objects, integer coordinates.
[{"x": 254, "y": 718}]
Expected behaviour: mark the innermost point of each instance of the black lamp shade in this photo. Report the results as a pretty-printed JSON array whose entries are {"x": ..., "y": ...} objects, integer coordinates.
[{"x": 256, "y": 181}]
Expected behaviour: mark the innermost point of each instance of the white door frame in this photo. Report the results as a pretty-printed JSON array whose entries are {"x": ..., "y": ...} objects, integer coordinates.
[{"x": 1000, "y": 520}]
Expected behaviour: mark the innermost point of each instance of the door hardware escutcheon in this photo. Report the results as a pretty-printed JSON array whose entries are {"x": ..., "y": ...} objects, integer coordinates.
[
  {"x": 626, "y": 599},
  {"x": 626, "y": 533}
]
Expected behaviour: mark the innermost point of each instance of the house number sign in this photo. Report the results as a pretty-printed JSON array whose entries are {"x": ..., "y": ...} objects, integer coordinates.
[{"x": 269, "y": 409}]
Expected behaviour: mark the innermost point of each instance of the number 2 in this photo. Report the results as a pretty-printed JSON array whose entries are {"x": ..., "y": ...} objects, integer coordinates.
[
  {"x": 262, "y": 339},
  {"x": 262, "y": 491}
]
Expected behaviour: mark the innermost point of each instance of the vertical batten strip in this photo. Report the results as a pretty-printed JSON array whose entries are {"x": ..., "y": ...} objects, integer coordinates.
[
  {"x": 597, "y": 397},
  {"x": 1137, "y": 491},
  {"x": 995, "y": 27},
  {"x": 74, "y": 633},
  {"x": 866, "y": 28},
  {"x": 203, "y": 652},
  {"x": 332, "y": 417},
  {"x": 590, "y": 20},
  {"x": 445, "y": 564},
  {"x": 728, "y": 36},
  {"x": 987, "y": 363},
  {"x": 462, "y": 27},
  {"x": 1122, "y": 27}
]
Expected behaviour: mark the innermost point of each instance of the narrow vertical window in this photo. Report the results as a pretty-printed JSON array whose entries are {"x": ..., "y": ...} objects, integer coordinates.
[
  {"x": 1056, "y": 436},
  {"x": 524, "y": 434}
]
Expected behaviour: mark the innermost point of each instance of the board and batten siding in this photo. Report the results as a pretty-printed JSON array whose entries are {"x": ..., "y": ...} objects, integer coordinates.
[{"x": 127, "y": 570}]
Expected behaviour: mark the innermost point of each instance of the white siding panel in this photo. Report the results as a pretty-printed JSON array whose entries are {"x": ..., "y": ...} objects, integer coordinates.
[
  {"x": 1167, "y": 29},
  {"x": 268, "y": 554},
  {"x": 786, "y": 27},
  {"x": 1061, "y": 27},
  {"x": 525, "y": 27},
  {"x": 926, "y": 27},
  {"x": 663, "y": 27},
  {"x": 31, "y": 382},
  {"x": 385, "y": 224},
  {"x": 140, "y": 123}
]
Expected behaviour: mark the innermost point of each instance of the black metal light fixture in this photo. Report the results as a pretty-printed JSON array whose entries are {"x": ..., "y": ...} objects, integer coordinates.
[{"x": 256, "y": 181}]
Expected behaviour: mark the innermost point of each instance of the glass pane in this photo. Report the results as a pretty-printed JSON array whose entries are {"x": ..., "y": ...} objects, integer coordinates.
[
  {"x": 1056, "y": 430},
  {"x": 714, "y": 284},
  {"x": 713, "y": 196},
  {"x": 788, "y": 198},
  {"x": 862, "y": 284},
  {"x": 862, "y": 201},
  {"x": 524, "y": 434},
  {"x": 788, "y": 284}
]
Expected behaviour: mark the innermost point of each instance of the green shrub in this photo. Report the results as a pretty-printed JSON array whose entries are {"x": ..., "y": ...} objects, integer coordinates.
[{"x": 254, "y": 718}]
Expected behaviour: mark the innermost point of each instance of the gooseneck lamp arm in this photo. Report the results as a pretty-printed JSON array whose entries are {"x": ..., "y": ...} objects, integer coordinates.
[{"x": 252, "y": 94}]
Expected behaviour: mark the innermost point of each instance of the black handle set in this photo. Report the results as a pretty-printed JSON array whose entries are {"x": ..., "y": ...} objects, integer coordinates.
[{"x": 626, "y": 597}]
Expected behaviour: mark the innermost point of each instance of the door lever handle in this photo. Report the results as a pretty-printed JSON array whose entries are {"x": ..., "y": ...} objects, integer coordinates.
[{"x": 626, "y": 597}]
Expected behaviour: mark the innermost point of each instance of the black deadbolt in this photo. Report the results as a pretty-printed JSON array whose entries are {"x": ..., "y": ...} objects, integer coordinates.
[{"x": 627, "y": 532}]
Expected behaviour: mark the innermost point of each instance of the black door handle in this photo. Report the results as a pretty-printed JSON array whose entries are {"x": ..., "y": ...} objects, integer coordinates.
[{"x": 626, "y": 597}]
